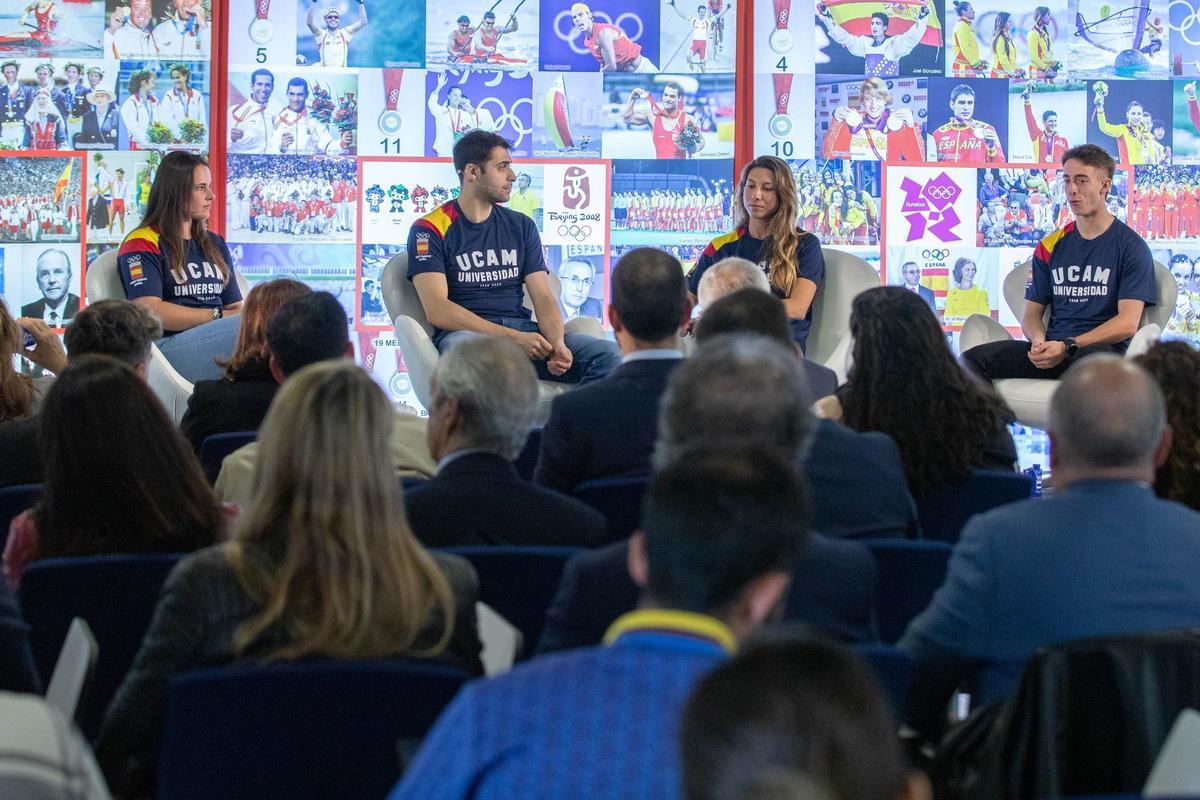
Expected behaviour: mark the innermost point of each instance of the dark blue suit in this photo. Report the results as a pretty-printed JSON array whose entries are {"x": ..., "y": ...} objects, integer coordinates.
[
  {"x": 1099, "y": 558},
  {"x": 857, "y": 484},
  {"x": 605, "y": 429},
  {"x": 833, "y": 588},
  {"x": 478, "y": 499}
]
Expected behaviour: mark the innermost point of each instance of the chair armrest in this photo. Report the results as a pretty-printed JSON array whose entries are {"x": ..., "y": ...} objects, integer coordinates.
[
  {"x": 1143, "y": 340},
  {"x": 171, "y": 388},
  {"x": 841, "y": 358},
  {"x": 420, "y": 356},
  {"x": 981, "y": 329}
]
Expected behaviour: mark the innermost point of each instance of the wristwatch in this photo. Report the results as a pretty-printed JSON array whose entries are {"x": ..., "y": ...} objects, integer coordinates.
[
  {"x": 218, "y": 312},
  {"x": 1072, "y": 346},
  {"x": 261, "y": 29}
]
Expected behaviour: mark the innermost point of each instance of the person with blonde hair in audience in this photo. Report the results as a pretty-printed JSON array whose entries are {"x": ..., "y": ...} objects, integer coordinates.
[
  {"x": 793, "y": 718},
  {"x": 322, "y": 565},
  {"x": 239, "y": 399},
  {"x": 901, "y": 363},
  {"x": 1176, "y": 367},
  {"x": 119, "y": 477}
]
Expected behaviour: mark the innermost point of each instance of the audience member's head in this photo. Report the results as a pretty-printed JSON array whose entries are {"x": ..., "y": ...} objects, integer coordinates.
[
  {"x": 797, "y": 719},
  {"x": 305, "y": 330},
  {"x": 727, "y": 276},
  {"x": 120, "y": 329},
  {"x": 251, "y": 358},
  {"x": 903, "y": 376},
  {"x": 736, "y": 388},
  {"x": 649, "y": 298},
  {"x": 325, "y": 548},
  {"x": 16, "y": 390},
  {"x": 1107, "y": 420},
  {"x": 721, "y": 528},
  {"x": 483, "y": 395},
  {"x": 1176, "y": 367},
  {"x": 749, "y": 311},
  {"x": 119, "y": 477}
]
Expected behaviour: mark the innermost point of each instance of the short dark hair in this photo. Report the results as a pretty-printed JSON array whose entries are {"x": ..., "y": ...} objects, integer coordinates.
[
  {"x": 790, "y": 711},
  {"x": 121, "y": 329},
  {"x": 1048, "y": 113},
  {"x": 298, "y": 82},
  {"x": 261, "y": 71},
  {"x": 649, "y": 293},
  {"x": 1092, "y": 155},
  {"x": 673, "y": 85},
  {"x": 715, "y": 519},
  {"x": 882, "y": 17},
  {"x": 475, "y": 147},
  {"x": 306, "y": 330},
  {"x": 747, "y": 310},
  {"x": 961, "y": 89}
]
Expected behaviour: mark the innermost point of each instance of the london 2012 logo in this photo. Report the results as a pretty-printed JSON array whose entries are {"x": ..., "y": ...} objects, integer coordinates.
[{"x": 929, "y": 208}]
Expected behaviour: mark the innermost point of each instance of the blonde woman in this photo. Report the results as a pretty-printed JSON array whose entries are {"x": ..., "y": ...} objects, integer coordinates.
[
  {"x": 324, "y": 565},
  {"x": 964, "y": 298},
  {"x": 765, "y": 209}
]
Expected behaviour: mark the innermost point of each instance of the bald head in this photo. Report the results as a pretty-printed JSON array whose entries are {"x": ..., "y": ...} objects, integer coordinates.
[
  {"x": 728, "y": 276},
  {"x": 1108, "y": 413}
]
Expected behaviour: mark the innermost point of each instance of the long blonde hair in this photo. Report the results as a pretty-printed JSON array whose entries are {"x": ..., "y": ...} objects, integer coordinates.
[
  {"x": 16, "y": 390},
  {"x": 326, "y": 549},
  {"x": 783, "y": 234}
]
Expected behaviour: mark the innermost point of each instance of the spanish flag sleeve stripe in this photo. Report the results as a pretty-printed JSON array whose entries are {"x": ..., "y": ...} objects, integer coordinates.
[
  {"x": 1046, "y": 246},
  {"x": 439, "y": 219},
  {"x": 142, "y": 240},
  {"x": 719, "y": 242}
]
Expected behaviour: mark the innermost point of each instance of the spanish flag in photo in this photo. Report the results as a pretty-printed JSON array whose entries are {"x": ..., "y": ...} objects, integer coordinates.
[
  {"x": 855, "y": 17},
  {"x": 63, "y": 181}
]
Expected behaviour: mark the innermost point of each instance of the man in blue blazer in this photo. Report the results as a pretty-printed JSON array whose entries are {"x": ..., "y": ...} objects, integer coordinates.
[
  {"x": 1102, "y": 556},
  {"x": 484, "y": 396},
  {"x": 607, "y": 429}
]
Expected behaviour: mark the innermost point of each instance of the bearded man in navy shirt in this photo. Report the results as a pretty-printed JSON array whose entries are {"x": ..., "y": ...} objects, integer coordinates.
[
  {"x": 1095, "y": 274},
  {"x": 470, "y": 259}
]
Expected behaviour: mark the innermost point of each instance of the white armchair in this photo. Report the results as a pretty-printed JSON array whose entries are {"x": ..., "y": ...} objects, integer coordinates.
[
  {"x": 846, "y": 277},
  {"x": 1028, "y": 398},
  {"x": 414, "y": 333},
  {"x": 104, "y": 283}
]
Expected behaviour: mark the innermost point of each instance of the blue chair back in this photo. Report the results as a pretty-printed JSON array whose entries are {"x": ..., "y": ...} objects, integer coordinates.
[
  {"x": 894, "y": 670},
  {"x": 519, "y": 583},
  {"x": 526, "y": 460},
  {"x": 944, "y": 513},
  {"x": 619, "y": 500},
  {"x": 115, "y": 595},
  {"x": 909, "y": 573},
  {"x": 214, "y": 449},
  {"x": 315, "y": 729},
  {"x": 14, "y": 500}
]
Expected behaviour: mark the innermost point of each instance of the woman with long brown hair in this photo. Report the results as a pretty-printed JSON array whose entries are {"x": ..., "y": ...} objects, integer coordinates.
[
  {"x": 16, "y": 390},
  {"x": 765, "y": 210},
  {"x": 183, "y": 273},
  {"x": 239, "y": 399},
  {"x": 324, "y": 564}
]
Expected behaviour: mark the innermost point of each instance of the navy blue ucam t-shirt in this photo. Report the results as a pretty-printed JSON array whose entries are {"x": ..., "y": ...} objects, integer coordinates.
[
  {"x": 485, "y": 263},
  {"x": 1081, "y": 280},
  {"x": 810, "y": 263},
  {"x": 145, "y": 272}
]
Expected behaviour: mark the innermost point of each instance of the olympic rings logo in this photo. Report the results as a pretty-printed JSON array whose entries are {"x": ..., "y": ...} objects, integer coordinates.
[
  {"x": 940, "y": 192},
  {"x": 1190, "y": 21},
  {"x": 574, "y": 38},
  {"x": 576, "y": 232},
  {"x": 507, "y": 117},
  {"x": 936, "y": 255}
]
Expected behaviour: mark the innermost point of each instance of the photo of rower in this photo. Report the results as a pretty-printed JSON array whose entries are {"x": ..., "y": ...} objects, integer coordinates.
[
  {"x": 44, "y": 28},
  {"x": 502, "y": 35}
]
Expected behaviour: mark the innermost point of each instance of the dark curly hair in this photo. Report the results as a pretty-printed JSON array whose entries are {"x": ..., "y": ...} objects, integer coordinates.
[
  {"x": 1176, "y": 367},
  {"x": 906, "y": 383}
]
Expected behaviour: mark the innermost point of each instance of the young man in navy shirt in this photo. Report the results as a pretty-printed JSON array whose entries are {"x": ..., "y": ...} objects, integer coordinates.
[
  {"x": 470, "y": 259},
  {"x": 1095, "y": 274}
]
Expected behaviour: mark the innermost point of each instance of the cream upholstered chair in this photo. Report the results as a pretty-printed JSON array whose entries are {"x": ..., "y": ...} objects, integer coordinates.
[
  {"x": 104, "y": 283},
  {"x": 414, "y": 333},
  {"x": 1029, "y": 398},
  {"x": 846, "y": 277}
]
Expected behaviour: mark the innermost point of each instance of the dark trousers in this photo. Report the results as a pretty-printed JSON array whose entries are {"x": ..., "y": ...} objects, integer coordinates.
[{"x": 998, "y": 360}]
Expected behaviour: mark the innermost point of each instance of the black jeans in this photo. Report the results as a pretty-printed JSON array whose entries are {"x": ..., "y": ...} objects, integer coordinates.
[{"x": 998, "y": 360}]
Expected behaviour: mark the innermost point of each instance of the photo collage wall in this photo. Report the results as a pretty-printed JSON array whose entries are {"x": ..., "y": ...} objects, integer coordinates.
[{"x": 1002, "y": 90}]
